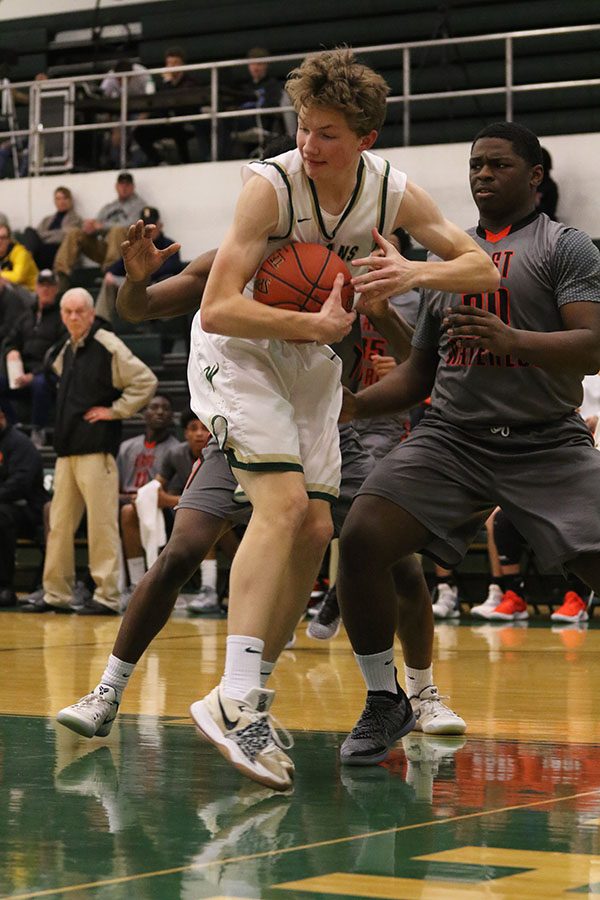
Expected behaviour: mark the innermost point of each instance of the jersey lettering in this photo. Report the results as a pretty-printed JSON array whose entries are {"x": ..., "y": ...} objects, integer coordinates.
[
  {"x": 502, "y": 260},
  {"x": 346, "y": 252},
  {"x": 498, "y": 303}
]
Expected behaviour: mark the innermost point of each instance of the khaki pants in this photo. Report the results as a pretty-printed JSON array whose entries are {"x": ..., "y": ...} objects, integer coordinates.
[
  {"x": 89, "y": 483},
  {"x": 104, "y": 251}
]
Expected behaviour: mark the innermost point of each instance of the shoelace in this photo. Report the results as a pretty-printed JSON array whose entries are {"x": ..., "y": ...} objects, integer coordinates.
[
  {"x": 435, "y": 701},
  {"x": 260, "y": 733}
]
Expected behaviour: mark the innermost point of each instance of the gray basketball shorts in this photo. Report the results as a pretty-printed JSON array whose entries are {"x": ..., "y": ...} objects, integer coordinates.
[
  {"x": 212, "y": 488},
  {"x": 546, "y": 478}
]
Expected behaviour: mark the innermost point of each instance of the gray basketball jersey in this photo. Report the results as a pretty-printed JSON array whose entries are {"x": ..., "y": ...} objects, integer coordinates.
[
  {"x": 176, "y": 467},
  {"x": 139, "y": 460},
  {"x": 543, "y": 265}
]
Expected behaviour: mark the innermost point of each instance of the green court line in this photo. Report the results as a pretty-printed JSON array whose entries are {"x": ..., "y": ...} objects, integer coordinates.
[{"x": 125, "y": 879}]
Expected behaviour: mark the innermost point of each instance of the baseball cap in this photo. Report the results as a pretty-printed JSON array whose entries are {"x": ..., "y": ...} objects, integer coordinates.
[
  {"x": 46, "y": 276},
  {"x": 150, "y": 215},
  {"x": 125, "y": 176}
]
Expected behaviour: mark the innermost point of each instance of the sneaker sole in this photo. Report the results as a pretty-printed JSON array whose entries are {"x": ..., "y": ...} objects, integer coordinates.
[
  {"x": 449, "y": 728},
  {"x": 81, "y": 726},
  {"x": 482, "y": 613},
  {"x": 211, "y": 732},
  {"x": 454, "y": 614},
  {"x": 375, "y": 758},
  {"x": 580, "y": 617}
]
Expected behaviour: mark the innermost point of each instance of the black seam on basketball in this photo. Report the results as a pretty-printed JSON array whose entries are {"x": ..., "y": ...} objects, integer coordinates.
[
  {"x": 287, "y": 284},
  {"x": 315, "y": 284}
]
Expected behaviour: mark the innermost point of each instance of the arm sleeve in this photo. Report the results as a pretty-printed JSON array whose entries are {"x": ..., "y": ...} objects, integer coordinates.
[
  {"x": 575, "y": 268},
  {"x": 130, "y": 375},
  {"x": 136, "y": 381},
  {"x": 22, "y": 266}
]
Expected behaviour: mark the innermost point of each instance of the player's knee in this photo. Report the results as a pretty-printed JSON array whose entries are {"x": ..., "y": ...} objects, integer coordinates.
[
  {"x": 318, "y": 530},
  {"x": 408, "y": 576},
  {"x": 179, "y": 561},
  {"x": 128, "y": 516},
  {"x": 288, "y": 509}
]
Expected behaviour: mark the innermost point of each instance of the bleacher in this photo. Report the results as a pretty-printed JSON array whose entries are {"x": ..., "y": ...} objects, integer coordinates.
[{"x": 227, "y": 28}]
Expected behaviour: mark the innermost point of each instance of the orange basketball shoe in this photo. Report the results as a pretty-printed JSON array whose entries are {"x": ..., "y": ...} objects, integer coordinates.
[
  {"x": 511, "y": 608},
  {"x": 573, "y": 609}
]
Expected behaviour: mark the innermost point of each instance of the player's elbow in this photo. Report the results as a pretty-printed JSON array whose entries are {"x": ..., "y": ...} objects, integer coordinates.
[
  {"x": 209, "y": 320},
  {"x": 490, "y": 274},
  {"x": 128, "y": 315}
]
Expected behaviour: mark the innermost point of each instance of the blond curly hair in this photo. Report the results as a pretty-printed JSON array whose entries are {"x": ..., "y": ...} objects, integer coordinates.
[{"x": 336, "y": 80}]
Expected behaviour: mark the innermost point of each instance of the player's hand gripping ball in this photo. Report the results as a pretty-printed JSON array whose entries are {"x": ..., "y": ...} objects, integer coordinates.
[{"x": 300, "y": 277}]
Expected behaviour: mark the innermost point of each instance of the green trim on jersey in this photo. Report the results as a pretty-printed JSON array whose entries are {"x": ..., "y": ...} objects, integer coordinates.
[
  {"x": 266, "y": 466},
  {"x": 286, "y": 181},
  {"x": 383, "y": 197},
  {"x": 320, "y": 495},
  {"x": 351, "y": 203}
]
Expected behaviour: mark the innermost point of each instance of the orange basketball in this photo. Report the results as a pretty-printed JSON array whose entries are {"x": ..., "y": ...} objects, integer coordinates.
[{"x": 300, "y": 277}]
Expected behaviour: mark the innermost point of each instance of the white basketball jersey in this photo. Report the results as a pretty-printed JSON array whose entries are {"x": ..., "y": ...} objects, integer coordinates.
[{"x": 374, "y": 204}]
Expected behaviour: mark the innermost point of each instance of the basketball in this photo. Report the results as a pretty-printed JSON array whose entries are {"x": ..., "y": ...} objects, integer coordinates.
[{"x": 300, "y": 277}]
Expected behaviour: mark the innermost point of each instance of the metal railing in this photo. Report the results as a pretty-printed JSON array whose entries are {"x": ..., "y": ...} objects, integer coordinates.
[{"x": 36, "y": 131}]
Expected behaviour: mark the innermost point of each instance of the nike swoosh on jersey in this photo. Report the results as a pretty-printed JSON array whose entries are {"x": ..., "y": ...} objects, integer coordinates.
[{"x": 304, "y": 220}]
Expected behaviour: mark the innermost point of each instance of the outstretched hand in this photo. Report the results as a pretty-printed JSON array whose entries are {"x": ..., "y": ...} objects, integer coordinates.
[
  {"x": 140, "y": 256},
  {"x": 389, "y": 272}
]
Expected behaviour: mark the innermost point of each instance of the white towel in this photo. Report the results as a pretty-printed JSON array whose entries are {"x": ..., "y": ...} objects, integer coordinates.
[{"x": 153, "y": 534}]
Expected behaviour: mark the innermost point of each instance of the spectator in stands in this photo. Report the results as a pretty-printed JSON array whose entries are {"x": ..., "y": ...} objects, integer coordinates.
[
  {"x": 115, "y": 274},
  {"x": 22, "y": 499},
  {"x": 37, "y": 330},
  {"x": 138, "y": 461},
  {"x": 100, "y": 383},
  {"x": 43, "y": 241},
  {"x": 262, "y": 91},
  {"x": 546, "y": 197},
  {"x": 100, "y": 238},
  {"x": 138, "y": 85},
  {"x": 172, "y": 82},
  {"x": 12, "y": 307},
  {"x": 17, "y": 265}
]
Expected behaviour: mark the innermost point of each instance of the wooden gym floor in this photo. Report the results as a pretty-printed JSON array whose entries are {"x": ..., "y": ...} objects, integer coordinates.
[{"x": 512, "y": 810}]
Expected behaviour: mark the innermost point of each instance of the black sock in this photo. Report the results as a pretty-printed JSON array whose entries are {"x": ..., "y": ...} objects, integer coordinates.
[{"x": 513, "y": 583}]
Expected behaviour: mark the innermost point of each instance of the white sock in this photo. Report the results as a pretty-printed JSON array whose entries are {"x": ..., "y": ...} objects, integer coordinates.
[
  {"x": 116, "y": 674},
  {"x": 208, "y": 573},
  {"x": 137, "y": 569},
  {"x": 265, "y": 670},
  {"x": 243, "y": 659},
  {"x": 378, "y": 670},
  {"x": 417, "y": 679}
]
